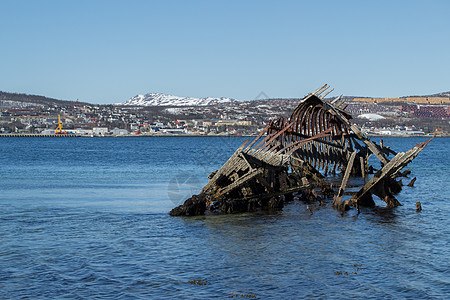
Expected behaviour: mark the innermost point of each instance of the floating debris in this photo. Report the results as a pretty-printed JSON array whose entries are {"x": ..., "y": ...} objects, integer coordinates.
[
  {"x": 358, "y": 268},
  {"x": 418, "y": 206},
  {"x": 411, "y": 183},
  {"x": 198, "y": 282},
  {"x": 242, "y": 296},
  {"x": 293, "y": 157}
]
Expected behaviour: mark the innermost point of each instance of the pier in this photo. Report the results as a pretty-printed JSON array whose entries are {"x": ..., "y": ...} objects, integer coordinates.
[{"x": 37, "y": 135}]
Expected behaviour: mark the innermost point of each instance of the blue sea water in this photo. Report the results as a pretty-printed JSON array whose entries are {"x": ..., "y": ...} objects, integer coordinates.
[{"x": 88, "y": 218}]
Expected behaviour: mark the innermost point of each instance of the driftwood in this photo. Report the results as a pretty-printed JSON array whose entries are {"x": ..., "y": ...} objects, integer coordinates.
[
  {"x": 291, "y": 158},
  {"x": 411, "y": 183}
]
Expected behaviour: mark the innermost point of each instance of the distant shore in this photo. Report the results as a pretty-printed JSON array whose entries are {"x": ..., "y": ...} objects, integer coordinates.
[
  {"x": 23, "y": 135},
  {"x": 119, "y": 136}
]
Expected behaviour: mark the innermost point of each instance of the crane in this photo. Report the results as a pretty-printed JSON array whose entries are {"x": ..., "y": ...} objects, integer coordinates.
[{"x": 58, "y": 129}]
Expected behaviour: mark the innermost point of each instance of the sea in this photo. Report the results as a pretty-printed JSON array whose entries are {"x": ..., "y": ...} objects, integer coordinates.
[{"x": 88, "y": 218}]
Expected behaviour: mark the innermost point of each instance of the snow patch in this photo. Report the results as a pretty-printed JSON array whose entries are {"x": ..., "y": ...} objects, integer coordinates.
[
  {"x": 157, "y": 99},
  {"x": 371, "y": 117},
  {"x": 174, "y": 110}
]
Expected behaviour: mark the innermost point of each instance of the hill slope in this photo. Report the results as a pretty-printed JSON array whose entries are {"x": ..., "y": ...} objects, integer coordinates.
[{"x": 14, "y": 100}]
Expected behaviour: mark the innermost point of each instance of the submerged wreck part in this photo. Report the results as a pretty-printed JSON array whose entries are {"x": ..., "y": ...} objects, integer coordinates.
[
  {"x": 295, "y": 155},
  {"x": 383, "y": 183},
  {"x": 254, "y": 177}
]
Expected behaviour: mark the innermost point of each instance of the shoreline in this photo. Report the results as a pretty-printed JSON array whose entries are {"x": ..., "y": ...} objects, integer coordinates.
[
  {"x": 119, "y": 136},
  {"x": 23, "y": 135}
]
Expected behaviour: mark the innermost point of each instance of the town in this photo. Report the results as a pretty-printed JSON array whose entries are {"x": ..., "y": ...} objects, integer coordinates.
[{"x": 23, "y": 114}]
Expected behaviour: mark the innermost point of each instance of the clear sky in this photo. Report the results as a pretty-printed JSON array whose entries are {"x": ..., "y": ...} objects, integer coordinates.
[{"x": 109, "y": 51}]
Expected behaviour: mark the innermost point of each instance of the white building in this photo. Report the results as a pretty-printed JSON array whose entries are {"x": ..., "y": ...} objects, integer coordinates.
[
  {"x": 84, "y": 131},
  {"x": 48, "y": 131},
  {"x": 117, "y": 131},
  {"x": 174, "y": 130},
  {"x": 100, "y": 130}
]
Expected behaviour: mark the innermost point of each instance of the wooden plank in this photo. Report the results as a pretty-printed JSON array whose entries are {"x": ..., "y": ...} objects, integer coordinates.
[
  {"x": 363, "y": 169},
  {"x": 385, "y": 171},
  {"x": 246, "y": 161},
  {"x": 239, "y": 182},
  {"x": 212, "y": 182},
  {"x": 375, "y": 150},
  {"x": 257, "y": 138},
  {"x": 346, "y": 175}
]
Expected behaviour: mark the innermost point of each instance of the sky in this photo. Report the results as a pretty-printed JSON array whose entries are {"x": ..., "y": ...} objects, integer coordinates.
[{"x": 109, "y": 51}]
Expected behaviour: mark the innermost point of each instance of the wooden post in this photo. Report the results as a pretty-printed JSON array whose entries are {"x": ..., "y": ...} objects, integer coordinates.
[{"x": 348, "y": 170}]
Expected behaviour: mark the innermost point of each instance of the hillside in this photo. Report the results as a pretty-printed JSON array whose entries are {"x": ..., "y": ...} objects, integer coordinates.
[
  {"x": 443, "y": 94},
  {"x": 15, "y": 100}
]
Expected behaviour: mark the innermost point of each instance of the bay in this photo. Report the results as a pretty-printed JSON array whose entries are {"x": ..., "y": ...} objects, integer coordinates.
[{"x": 88, "y": 218}]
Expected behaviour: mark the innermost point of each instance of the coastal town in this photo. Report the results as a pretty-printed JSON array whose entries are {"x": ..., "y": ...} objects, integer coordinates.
[{"x": 407, "y": 116}]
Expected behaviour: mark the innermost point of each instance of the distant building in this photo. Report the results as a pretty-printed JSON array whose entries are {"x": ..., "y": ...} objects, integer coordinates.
[
  {"x": 117, "y": 131},
  {"x": 233, "y": 122},
  {"x": 100, "y": 130},
  {"x": 174, "y": 130},
  {"x": 81, "y": 131},
  {"x": 134, "y": 127},
  {"x": 48, "y": 131}
]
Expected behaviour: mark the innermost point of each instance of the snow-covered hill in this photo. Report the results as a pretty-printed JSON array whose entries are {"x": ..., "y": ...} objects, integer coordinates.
[{"x": 156, "y": 99}]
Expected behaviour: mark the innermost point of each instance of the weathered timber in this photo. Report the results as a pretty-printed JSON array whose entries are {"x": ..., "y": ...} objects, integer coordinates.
[
  {"x": 291, "y": 158},
  {"x": 411, "y": 183},
  {"x": 418, "y": 206},
  {"x": 383, "y": 182},
  {"x": 337, "y": 200},
  {"x": 194, "y": 206}
]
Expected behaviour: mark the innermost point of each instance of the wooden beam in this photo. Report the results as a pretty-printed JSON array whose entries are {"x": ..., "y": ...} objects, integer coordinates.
[{"x": 348, "y": 170}]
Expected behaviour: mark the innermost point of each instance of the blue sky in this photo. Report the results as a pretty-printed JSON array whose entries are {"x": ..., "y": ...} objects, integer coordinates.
[{"x": 108, "y": 51}]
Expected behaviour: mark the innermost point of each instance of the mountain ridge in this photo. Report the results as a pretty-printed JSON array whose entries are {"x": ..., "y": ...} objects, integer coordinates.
[
  {"x": 159, "y": 99},
  {"x": 22, "y": 100}
]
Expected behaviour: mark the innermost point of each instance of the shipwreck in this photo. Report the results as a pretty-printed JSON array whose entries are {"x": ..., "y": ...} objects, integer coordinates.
[{"x": 292, "y": 159}]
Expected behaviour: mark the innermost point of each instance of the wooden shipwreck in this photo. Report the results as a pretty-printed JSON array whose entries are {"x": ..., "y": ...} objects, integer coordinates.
[{"x": 292, "y": 158}]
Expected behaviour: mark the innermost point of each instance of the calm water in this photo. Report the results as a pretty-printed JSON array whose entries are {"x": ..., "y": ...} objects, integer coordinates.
[{"x": 88, "y": 218}]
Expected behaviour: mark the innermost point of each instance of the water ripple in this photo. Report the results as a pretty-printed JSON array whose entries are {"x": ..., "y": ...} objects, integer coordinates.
[{"x": 102, "y": 231}]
